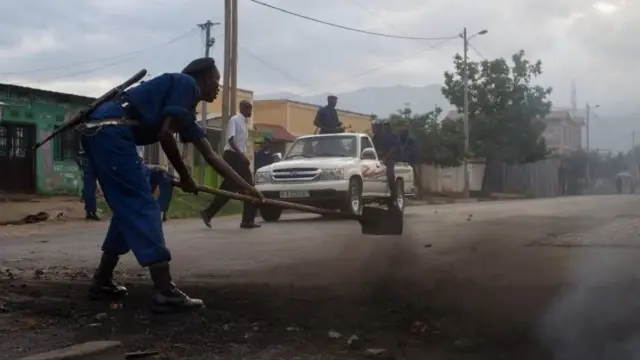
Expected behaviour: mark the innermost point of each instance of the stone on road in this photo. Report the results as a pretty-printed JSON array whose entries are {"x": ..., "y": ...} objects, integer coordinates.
[{"x": 527, "y": 279}]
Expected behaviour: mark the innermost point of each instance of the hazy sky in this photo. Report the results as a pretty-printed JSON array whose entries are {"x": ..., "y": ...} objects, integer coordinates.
[{"x": 93, "y": 44}]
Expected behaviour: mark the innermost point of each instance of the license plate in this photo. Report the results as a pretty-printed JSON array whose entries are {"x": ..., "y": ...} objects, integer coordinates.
[{"x": 293, "y": 194}]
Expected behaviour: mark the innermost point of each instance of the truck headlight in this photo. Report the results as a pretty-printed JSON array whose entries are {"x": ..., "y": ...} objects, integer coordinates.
[
  {"x": 332, "y": 174},
  {"x": 263, "y": 177}
]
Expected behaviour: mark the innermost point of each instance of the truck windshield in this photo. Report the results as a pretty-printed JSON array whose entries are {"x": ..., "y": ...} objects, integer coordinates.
[{"x": 324, "y": 146}]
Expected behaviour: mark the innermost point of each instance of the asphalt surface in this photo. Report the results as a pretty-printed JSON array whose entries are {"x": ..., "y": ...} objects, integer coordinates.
[{"x": 533, "y": 279}]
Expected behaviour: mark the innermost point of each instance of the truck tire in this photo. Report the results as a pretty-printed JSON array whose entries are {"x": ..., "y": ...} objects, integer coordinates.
[
  {"x": 270, "y": 213},
  {"x": 353, "y": 201},
  {"x": 402, "y": 199}
]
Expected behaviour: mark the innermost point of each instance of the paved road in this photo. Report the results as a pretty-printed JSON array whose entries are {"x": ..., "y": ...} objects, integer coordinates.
[{"x": 563, "y": 267}]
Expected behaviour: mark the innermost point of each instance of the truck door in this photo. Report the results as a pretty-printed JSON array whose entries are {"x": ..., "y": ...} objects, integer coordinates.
[{"x": 371, "y": 170}]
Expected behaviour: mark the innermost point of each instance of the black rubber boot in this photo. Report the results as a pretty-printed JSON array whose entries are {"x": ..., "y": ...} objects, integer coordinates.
[
  {"x": 103, "y": 286},
  {"x": 92, "y": 217},
  {"x": 167, "y": 298}
]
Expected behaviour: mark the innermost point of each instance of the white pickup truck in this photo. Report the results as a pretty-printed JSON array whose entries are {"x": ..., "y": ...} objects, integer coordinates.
[{"x": 332, "y": 171}]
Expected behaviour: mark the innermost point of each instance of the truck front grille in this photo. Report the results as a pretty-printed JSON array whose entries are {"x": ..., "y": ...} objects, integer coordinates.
[{"x": 295, "y": 174}]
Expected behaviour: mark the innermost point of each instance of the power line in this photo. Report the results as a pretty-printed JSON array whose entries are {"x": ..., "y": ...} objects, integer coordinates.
[
  {"x": 271, "y": 66},
  {"x": 180, "y": 37},
  {"x": 373, "y": 13},
  {"x": 367, "y": 72},
  {"x": 135, "y": 55},
  {"x": 350, "y": 28},
  {"x": 358, "y": 75},
  {"x": 476, "y": 51}
]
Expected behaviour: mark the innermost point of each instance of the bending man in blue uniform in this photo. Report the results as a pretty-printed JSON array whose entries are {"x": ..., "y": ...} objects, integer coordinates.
[{"x": 148, "y": 113}]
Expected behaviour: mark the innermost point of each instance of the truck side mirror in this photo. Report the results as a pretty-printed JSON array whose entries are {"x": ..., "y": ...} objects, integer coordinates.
[
  {"x": 277, "y": 156},
  {"x": 368, "y": 154}
]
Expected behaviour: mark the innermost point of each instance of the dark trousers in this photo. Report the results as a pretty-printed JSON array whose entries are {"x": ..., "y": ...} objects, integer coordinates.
[
  {"x": 243, "y": 169},
  {"x": 391, "y": 177},
  {"x": 89, "y": 180}
]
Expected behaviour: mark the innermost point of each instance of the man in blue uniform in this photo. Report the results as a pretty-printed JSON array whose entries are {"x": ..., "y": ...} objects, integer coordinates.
[
  {"x": 388, "y": 149},
  {"x": 148, "y": 113},
  {"x": 409, "y": 151},
  {"x": 327, "y": 120},
  {"x": 88, "y": 187},
  {"x": 264, "y": 156},
  {"x": 161, "y": 180}
]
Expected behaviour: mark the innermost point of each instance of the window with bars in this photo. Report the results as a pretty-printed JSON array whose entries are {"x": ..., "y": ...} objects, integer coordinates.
[
  {"x": 65, "y": 145},
  {"x": 4, "y": 142}
]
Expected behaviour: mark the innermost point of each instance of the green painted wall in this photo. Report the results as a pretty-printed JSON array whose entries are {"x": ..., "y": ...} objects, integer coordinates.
[{"x": 54, "y": 176}]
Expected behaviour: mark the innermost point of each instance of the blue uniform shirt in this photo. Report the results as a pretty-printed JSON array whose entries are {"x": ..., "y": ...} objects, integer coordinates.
[
  {"x": 385, "y": 142},
  {"x": 262, "y": 158},
  {"x": 408, "y": 148},
  {"x": 327, "y": 118},
  {"x": 174, "y": 95}
]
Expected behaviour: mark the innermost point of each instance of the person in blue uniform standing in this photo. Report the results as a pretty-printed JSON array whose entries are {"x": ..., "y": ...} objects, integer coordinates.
[
  {"x": 148, "y": 113},
  {"x": 388, "y": 149},
  {"x": 89, "y": 187},
  {"x": 264, "y": 156},
  {"x": 159, "y": 179},
  {"x": 327, "y": 120}
]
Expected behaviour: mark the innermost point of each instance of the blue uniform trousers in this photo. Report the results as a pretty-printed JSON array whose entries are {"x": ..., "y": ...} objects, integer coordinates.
[
  {"x": 136, "y": 223},
  {"x": 89, "y": 188}
]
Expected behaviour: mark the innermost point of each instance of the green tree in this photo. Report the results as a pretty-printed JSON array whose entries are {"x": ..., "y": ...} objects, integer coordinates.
[
  {"x": 506, "y": 109},
  {"x": 439, "y": 143}
]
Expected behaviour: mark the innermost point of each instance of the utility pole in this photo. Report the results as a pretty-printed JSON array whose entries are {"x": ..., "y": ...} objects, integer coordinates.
[
  {"x": 588, "y": 133},
  {"x": 465, "y": 115},
  {"x": 587, "y": 123},
  {"x": 226, "y": 78},
  {"x": 208, "y": 44}
]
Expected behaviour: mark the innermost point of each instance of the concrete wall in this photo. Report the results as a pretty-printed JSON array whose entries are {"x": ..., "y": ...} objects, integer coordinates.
[
  {"x": 450, "y": 180},
  {"x": 273, "y": 112},
  {"x": 53, "y": 175}
]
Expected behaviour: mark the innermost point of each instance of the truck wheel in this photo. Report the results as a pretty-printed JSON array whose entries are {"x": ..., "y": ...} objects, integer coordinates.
[
  {"x": 270, "y": 213},
  {"x": 353, "y": 202}
]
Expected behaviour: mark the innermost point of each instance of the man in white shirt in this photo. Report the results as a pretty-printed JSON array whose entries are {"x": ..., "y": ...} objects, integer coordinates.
[{"x": 234, "y": 155}]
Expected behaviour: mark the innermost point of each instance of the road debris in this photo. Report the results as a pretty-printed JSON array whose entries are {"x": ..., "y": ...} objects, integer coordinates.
[
  {"x": 141, "y": 354},
  {"x": 378, "y": 353},
  {"x": 101, "y": 316},
  {"x": 353, "y": 341}
]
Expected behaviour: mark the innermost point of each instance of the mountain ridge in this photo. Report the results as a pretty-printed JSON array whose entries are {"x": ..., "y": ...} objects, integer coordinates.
[{"x": 380, "y": 100}]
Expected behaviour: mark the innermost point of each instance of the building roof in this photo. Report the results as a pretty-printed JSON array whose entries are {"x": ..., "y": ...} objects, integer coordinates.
[
  {"x": 277, "y": 132},
  {"x": 561, "y": 114},
  {"x": 313, "y": 105},
  {"x": 59, "y": 96}
]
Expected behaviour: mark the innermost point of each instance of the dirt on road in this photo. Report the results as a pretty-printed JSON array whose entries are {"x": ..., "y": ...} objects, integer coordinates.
[{"x": 551, "y": 279}]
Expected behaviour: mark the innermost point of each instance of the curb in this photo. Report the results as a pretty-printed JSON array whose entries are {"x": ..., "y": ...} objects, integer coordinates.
[{"x": 95, "y": 350}]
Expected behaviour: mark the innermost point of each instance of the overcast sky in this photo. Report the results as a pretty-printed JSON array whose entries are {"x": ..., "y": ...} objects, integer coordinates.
[{"x": 90, "y": 45}]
